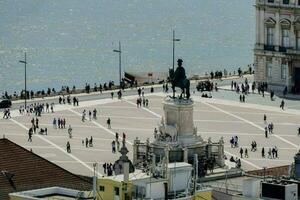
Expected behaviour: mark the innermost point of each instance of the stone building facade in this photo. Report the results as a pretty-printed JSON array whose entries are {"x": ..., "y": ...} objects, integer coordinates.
[{"x": 277, "y": 47}]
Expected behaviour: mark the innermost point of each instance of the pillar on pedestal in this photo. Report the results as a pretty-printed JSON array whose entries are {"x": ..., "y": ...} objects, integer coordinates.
[{"x": 179, "y": 112}]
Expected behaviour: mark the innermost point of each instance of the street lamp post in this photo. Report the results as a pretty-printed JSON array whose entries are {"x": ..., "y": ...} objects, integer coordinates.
[
  {"x": 174, "y": 40},
  {"x": 119, "y": 52},
  {"x": 25, "y": 62}
]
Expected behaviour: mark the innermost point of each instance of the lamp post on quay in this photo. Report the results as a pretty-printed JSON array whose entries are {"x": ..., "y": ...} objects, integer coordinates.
[
  {"x": 174, "y": 40},
  {"x": 25, "y": 63},
  {"x": 119, "y": 52}
]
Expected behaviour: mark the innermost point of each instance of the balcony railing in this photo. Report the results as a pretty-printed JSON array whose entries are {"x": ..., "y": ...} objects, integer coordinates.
[
  {"x": 269, "y": 48},
  {"x": 283, "y": 49},
  {"x": 278, "y": 3}
]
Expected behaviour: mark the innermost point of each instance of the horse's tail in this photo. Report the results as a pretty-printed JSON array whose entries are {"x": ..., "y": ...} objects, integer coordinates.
[{"x": 188, "y": 94}]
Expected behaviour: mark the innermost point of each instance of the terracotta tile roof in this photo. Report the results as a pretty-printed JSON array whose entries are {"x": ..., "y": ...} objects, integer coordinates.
[{"x": 31, "y": 171}]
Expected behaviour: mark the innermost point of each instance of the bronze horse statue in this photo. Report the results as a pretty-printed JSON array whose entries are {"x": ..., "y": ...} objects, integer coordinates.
[{"x": 178, "y": 79}]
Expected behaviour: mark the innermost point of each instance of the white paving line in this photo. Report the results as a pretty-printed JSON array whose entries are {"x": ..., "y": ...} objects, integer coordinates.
[
  {"x": 242, "y": 122},
  {"x": 239, "y": 133},
  {"x": 58, "y": 147},
  {"x": 68, "y": 161},
  {"x": 159, "y": 116},
  {"x": 133, "y": 129},
  {"x": 232, "y": 133},
  {"x": 57, "y": 136},
  {"x": 249, "y": 147},
  {"x": 100, "y": 126},
  {"x": 249, "y": 122},
  {"x": 83, "y": 148},
  {"x": 126, "y": 117},
  {"x": 73, "y": 126},
  {"x": 272, "y": 109},
  {"x": 248, "y": 113}
]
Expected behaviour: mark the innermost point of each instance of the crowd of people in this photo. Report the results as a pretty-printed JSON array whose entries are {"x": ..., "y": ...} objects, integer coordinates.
[
  {"x": 36, "y": 108},
  {"x": 91, "y": 114},
  {"x": 65, "y": 90},
  {"x": 272, "y": 152},
  {"x": 60, "y": 123}
]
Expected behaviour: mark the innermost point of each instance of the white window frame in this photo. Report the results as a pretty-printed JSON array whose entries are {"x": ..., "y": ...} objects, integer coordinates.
[
  {"x": 284, "y": 67},
  {"x": 270, "y": 36},
  {"x": 298, "y": 39},
  {"x": 269, "y": 69},
  {"x": 285, "y": 38}
]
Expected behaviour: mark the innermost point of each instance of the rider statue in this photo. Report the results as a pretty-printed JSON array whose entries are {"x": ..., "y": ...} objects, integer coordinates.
[{"x": 178, "y": 79}]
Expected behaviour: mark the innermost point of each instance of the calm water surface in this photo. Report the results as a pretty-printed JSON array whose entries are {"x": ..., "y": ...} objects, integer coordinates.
[{"x": 71, "y": 41}]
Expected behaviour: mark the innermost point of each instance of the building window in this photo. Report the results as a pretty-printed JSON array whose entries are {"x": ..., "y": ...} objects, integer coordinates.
[
  {"x": 117, "y": 191},
  {"x": 101, "y": 188},
  {"x": 270, "y": 36},
  {"x": 286, "y": 1},
  {"x": 284, "y": 67},
  {"x": 269, "y": 69},
  {"x": 285, "y": 38},
  {"x": 298, "y": 2},
  {"x": 298, "y": 39},
  {"x": 270, "y": 1}
]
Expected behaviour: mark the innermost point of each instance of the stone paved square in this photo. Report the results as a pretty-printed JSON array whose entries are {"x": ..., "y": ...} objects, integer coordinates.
[{"x": 213, "y": 118}]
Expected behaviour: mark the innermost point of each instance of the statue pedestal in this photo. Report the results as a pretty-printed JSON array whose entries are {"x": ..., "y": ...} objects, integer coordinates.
[{"x": 179, "y": 112}]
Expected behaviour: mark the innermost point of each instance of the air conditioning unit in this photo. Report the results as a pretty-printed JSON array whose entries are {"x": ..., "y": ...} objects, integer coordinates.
[{"x": 279, "y": 191}]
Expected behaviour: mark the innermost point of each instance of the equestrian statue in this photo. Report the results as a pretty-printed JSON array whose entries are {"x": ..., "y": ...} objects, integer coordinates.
[{"x": 178, "y": 79}]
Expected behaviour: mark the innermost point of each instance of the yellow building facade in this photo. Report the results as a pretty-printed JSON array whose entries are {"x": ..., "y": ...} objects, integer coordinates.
[{"x": 113, "y": 190}]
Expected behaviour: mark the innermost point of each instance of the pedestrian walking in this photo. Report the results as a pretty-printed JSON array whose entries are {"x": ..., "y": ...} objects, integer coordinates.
[
  {"x": 68, "y": 147},
  {"x": 90, "y": 115},
  {"x": 95, "y": 114},
  {"x": 30, "y": 135},
  {"x": 108, "y": 122},
  {"x": 54, "y": 123},
  {"x": 270, "y": 153},
  {"x": 282, "y": 104},
  {"x": 263, "y": 152},
  {"x": 83, "y": 115},
  {"x": 113, "y": 146},
  {"x": 117, "y": 136},
  {"x": 273, "y": 153},
  {"x": 266, "y": 132},
  {"x": 64, "y": 123},
  {"x": 276, "y": 151},
  {"x": 86, "y": 142},
  {"x": 241, "y": 152},
  {"x": 91, "y": 142},
  {"x": 52, "y": 107},
  {"x": 58, "y": 122}
]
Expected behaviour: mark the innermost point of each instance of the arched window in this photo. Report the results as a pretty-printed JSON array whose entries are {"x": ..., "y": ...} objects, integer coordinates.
[
  {"x": 270, "y": 27},
  {"x": 285, "y": 32},
  {"x": 297, "y": 31}
]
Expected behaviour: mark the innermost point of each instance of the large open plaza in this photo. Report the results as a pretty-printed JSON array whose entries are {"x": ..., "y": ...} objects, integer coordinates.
[{"x": 214, "y": 118}]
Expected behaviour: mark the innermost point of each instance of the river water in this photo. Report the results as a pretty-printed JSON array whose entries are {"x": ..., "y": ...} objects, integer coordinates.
[{"x": 71, "y": 42}]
